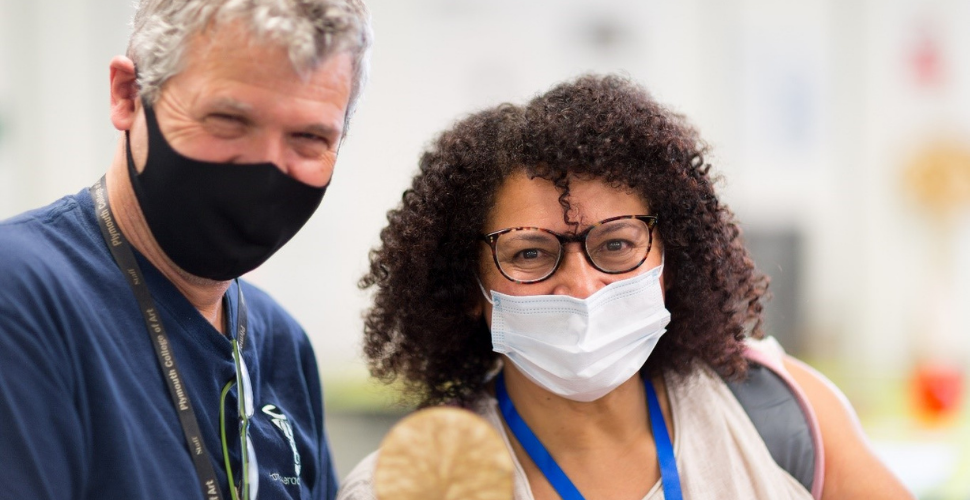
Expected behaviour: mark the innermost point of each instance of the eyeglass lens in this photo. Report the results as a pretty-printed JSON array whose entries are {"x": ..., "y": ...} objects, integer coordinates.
[{"x": 529, "y": 254}]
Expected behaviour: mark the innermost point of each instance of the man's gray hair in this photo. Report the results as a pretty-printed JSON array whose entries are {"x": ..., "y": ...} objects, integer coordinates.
[{"x": 310, "y": 31}]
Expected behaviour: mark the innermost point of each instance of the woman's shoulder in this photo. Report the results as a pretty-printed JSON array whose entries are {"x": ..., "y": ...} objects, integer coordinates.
[
  {"x": 852, "y": 469},
  {"x": 833, "y": 421},
  {"x": 359, "y": 484}
]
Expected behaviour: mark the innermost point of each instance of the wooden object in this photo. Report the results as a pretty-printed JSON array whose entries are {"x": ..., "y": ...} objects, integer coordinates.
[{"x": 443, "y": 453}]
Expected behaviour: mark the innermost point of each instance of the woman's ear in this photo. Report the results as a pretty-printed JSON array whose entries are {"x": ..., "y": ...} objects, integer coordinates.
[
  {"x": 478, "y": 308},
  {"x": 480, "y": 300}
]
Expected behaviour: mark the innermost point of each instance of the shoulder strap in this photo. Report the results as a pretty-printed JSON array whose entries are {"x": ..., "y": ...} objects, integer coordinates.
[{"x": 782, "y": 416}]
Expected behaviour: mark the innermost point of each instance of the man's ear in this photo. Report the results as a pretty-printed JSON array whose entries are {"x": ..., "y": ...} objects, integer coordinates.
[{"x": 124, "y": 92}]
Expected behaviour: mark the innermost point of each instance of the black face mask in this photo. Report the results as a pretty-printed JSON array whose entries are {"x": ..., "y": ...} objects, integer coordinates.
[{"x": 217, "y": 220}]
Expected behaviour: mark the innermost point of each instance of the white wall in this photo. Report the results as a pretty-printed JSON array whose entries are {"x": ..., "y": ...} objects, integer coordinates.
[{"x": 809, "y": 107}]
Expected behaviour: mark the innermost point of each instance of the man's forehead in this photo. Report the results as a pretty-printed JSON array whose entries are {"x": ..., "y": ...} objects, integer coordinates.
[
  {"x": 232, "y": 41},
  {"x": 232, "y": 51}
]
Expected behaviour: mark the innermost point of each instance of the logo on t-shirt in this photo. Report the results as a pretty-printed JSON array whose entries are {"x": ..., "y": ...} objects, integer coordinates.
[{"x": 283, "y": 424}]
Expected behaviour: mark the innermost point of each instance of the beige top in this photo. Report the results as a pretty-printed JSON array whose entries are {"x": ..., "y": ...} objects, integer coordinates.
[{"x": 719, "y": 452}]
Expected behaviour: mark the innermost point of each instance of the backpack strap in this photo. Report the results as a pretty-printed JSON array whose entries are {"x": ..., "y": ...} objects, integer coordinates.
[{"x": 782, "y": 414}]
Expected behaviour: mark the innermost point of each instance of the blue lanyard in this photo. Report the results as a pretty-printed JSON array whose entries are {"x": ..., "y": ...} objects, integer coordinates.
[{"x": 557, "y": 478}]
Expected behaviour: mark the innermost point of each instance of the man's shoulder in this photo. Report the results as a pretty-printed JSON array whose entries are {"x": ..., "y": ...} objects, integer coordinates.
[
  {"x": 26, "y": 238},
  {"x": 48, "y": 283},
  {"x": 34, "y": 233},
  {"x": 44, "y": 215},
  {"x": 43, "y": 246}
]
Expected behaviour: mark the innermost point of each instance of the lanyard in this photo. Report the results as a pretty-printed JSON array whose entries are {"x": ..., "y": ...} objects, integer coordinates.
[
  {"x": 125, "y": 259},
  {"x": 555, "y": 475}
]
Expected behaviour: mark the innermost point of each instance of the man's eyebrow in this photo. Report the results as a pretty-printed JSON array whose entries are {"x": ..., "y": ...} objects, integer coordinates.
[{"x": 232, "y": 104}]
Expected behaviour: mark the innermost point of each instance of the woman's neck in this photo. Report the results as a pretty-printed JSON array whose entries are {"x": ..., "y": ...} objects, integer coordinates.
[
  {"x": 596, "y": 443},
  {"x": 568, "y": 427}
]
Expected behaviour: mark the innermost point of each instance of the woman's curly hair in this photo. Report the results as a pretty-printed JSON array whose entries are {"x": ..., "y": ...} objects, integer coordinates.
[{"x": 422, "y": 327}]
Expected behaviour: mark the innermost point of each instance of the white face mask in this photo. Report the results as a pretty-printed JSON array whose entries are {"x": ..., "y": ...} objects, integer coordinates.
[{"x": 581, "y": 349}]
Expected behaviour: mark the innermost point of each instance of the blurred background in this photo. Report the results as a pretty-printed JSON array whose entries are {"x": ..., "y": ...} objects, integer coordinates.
[{"x": 841, "y": 129}]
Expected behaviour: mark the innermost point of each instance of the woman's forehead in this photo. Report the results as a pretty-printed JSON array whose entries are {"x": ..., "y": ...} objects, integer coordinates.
[{"x": 524, "y": 201}]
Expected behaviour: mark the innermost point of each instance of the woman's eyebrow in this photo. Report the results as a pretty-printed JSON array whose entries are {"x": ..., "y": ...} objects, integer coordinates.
[
  {"x": 519, "y": 236},
  {"x": 617, "y": 226}
]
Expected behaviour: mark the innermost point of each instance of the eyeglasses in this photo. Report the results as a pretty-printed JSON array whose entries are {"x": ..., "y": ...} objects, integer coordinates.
[
  {"x": 531, "y": 254},
  {"x": 248, "y": 485}
]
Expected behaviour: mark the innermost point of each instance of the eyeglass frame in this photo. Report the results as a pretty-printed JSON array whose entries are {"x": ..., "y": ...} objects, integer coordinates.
[
  {"x": 492, "y": 239},
  {"x": 246, "y": 489}
]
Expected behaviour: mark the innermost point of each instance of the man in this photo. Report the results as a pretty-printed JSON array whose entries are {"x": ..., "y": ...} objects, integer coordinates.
[{"x": 132, "y": 363}]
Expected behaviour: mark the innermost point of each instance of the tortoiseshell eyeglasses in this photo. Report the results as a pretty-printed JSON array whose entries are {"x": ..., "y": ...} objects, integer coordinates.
[{"x": 532, "y": 254}]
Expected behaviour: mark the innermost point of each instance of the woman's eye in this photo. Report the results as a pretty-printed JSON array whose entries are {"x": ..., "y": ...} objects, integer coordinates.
[
  {"x": 532, "y": 258},
  {"x": 616, "y": 245}
]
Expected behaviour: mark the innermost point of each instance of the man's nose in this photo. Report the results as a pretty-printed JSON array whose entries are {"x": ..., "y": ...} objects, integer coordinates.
[
  {"x": 272, "y": 150},
  {"x": 276, "y": 149},
  {"x": 576, "y": 277}
]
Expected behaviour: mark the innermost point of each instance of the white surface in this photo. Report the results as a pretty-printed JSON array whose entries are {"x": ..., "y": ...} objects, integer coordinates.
[{"x": 922, "y": 467}]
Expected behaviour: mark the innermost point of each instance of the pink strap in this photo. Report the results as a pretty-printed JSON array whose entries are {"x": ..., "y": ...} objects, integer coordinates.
[{"x": 775, "y": 364}]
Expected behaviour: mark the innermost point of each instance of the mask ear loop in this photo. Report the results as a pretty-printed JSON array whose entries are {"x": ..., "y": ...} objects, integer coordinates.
[
  {"x": 499, "y": 363},
  {"x": 482, "y": 288}
]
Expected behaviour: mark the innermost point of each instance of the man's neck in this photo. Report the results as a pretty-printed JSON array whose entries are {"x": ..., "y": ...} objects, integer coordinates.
[{"x": 206, "y": 295}]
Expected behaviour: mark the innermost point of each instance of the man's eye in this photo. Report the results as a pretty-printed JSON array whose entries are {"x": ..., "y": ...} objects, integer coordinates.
[
  {"x": 310, "y": 138},
  {"x": 310, "y": 145},
  {"x": 223, "y": 125},
  {"x": 226, "y": 118}
]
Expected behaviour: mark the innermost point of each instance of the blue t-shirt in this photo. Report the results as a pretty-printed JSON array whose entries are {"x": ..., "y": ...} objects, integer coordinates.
[{"x": 85, "y": 412}]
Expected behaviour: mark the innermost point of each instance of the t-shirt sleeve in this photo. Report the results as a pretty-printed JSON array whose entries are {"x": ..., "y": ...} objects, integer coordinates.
[{"x": 41, "y": 433}]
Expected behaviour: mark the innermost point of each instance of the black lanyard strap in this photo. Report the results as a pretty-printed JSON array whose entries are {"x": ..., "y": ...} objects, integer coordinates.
[{"x": 125, "y": 258}]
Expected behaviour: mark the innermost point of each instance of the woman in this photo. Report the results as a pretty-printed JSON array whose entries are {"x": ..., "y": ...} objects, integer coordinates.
[{"x": 564, "y": 266}]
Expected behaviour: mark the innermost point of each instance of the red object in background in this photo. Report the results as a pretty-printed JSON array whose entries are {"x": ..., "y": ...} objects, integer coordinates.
[
  {"x": 927, "y": 62},
  {"x": 938, "y": 390}
]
